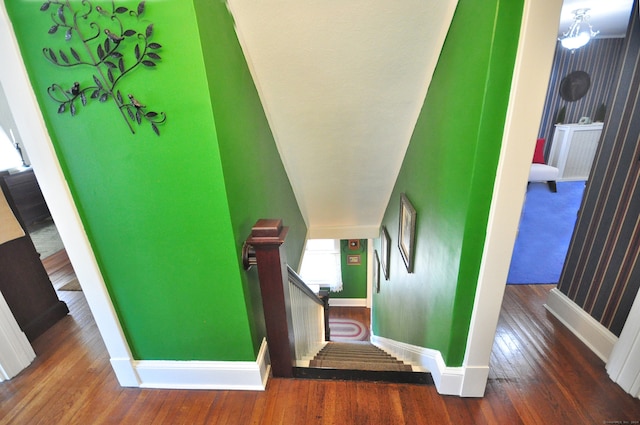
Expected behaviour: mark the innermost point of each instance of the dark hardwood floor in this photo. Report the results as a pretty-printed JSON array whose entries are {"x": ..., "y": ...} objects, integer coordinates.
[
  {"x": 59, "y": 268},
  {"x": 540, "y": 374}
]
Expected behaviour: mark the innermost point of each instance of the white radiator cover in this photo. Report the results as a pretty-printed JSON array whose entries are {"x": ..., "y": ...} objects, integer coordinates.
[{"x": 573, "y": 150}]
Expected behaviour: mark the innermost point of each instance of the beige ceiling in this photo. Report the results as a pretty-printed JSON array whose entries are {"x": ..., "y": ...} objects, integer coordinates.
[{"x": 342, "y": 83}]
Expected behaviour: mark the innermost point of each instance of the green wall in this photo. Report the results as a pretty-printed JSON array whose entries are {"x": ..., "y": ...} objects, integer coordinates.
[
  {"x": 354, "y": 278},
  {"x": 448, "y": 175},
  {"x": 165, "y": 215},
  {"x": 257, "y": 184}
]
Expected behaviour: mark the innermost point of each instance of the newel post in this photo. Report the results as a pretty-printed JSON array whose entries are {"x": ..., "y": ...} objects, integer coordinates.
[{"x": 267, "y": 237}]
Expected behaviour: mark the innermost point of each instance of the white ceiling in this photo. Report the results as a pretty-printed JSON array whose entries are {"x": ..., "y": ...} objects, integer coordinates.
[
  {"x": 342, "y": 84},
  {"x": 610, "y": 17}
]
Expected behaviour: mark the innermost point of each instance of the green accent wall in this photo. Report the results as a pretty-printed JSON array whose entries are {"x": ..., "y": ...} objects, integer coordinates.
[
  {"x": 448, "y": 174},
  {"x": 166, "y": 215},
  {"x": 257, "y": 184},
  {"x": 354, "y": 278}
]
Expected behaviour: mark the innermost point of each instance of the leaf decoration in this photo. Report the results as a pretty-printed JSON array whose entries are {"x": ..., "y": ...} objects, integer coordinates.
[
  {"x": 116, "y": 35},
  {"x": 98, "y": 82},
  {"x": 61, "y": 15}
]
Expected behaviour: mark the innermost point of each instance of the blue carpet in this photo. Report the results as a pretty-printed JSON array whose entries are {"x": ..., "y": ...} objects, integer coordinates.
[{"x": 546, "y": 226}]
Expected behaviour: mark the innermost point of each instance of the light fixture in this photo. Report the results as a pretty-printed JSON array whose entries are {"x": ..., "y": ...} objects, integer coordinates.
[{"x": 580, "y": 32}]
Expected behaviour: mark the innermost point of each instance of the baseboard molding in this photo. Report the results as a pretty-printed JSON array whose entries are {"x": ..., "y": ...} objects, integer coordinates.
[
  {"x": 598, "y": 338},
  {"x": 198, "y": 375},
  {"x": 347, "y": 302},
  {"x": 460, "y": 381}
]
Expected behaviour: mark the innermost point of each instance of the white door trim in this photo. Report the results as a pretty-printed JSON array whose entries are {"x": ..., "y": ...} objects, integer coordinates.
[
  {"x": 15, "y": 351},
  {"x": 534, "y": 60},
  {"x": 32, "y": 129},
  {"x": 624, "y": 362}
]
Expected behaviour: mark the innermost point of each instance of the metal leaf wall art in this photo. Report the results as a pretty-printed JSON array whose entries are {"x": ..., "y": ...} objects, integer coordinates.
[{"x": 110, "y": 44}]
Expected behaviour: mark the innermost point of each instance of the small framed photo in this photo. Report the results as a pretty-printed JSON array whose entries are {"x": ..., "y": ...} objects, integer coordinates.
[
  {"x": 407, "y": 231},
  {"x": 353, "y": 260},
  {"x": 354, "y": 244},
  {"x": 385, "y": 242},
  {"x": 376, "y": 272}
]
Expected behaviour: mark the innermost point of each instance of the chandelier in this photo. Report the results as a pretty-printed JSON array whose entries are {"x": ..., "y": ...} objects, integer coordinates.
[{"x": 580, "y": 31}]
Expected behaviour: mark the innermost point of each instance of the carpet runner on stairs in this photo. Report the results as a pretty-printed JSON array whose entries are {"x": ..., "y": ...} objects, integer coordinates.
[
  {"x": 357, "y": 356},
  {"x": 359, "y": 360}
]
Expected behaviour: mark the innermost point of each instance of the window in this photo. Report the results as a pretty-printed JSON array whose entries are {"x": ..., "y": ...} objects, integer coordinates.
[{"x": 321, "y": 265}]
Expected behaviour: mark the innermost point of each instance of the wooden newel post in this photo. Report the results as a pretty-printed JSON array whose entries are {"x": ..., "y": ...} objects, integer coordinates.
[{"x": 267, "y": 237}]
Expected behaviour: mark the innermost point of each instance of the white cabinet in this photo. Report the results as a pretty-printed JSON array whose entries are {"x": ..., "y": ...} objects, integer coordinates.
[{"x": 573, "y": 149}]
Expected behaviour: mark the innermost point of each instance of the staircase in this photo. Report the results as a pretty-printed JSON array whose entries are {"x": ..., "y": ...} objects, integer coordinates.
[{"x": 361, "y": 361}]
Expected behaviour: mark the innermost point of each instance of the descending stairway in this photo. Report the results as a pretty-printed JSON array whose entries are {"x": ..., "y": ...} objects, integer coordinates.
[
  {"x": 359, "y": 355},
  {"x": 359, "y": 360}
]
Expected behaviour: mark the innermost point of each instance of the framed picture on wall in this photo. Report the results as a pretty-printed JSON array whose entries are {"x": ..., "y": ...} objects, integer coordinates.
[
  {"x": 376, "y": 271},
  {"x": 407, "y": 231},
  {"x": 385, "y": 242},
  {"x": 353, "y": 260}
]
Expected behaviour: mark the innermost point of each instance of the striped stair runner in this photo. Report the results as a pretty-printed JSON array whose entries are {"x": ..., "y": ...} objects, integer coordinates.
[
  {"x": 360, "y": 361},
  {"x": 359, "y": 355}
]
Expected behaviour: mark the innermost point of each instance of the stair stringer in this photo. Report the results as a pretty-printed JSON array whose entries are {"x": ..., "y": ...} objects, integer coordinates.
[{"x": 448, "y": 380}]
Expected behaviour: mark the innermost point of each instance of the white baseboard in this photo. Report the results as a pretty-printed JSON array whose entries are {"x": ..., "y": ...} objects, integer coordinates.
[
  {"x": 598, "y": 338},
  {"x": 460, "y": 381},
  {"x": 198, "y": 375},
  {"x": 347, "y": 302}
]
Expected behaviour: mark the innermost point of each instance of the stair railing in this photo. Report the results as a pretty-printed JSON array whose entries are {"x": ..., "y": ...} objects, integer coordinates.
[
  {"x": 310, "y": 327},
  {"x": 296, "y": 318}
]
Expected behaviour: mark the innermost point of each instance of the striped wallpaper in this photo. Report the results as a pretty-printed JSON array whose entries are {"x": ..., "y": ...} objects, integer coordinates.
[
  {"x": 602, "y": 272},
  {"x": 601, "y": 60}
]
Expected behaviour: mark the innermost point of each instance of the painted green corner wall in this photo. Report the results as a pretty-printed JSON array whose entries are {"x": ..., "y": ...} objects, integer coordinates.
[
  {"x": 354, "y": 278},
  {"x": 257, "y": 184},
  {"x": 162, "y": 222},
  {"x": 448, "y": 175}
]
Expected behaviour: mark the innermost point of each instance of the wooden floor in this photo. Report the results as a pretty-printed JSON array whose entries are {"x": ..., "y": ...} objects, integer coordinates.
[
  {"x": 540, "y": 374},
  {"x": 59, "y": 268}
]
